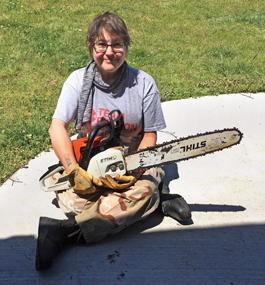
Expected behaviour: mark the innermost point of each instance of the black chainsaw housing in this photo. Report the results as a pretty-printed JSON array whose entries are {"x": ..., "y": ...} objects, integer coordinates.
[{"x": 115, "y": 127}]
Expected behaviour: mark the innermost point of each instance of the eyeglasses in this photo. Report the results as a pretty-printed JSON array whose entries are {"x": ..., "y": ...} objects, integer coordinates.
[{"x": 101, "y": 47}]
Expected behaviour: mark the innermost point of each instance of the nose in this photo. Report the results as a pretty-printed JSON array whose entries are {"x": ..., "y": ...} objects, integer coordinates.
[{"x": 109, "y": 50}]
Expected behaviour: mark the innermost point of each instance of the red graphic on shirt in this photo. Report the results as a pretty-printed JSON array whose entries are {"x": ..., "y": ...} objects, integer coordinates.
[
  {"x": 130, "y": 127},
  {"x": 102, "y": 114},
  {"x": 93, "y": 115}
]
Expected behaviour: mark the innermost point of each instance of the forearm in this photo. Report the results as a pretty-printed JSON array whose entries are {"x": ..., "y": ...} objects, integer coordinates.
[
  {"x": 62, "y": 145},
  {"x": 149, "y": 139}
]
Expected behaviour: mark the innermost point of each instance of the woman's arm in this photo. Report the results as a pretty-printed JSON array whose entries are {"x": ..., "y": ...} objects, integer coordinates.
[
  {"x": 62, "y": 144},
  {"x": 149, "y": 139}
]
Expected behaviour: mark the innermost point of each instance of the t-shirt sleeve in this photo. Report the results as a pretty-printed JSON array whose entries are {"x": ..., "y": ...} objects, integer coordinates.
[
  {"x": 152, "y": 111},
  {"x": 69, "y": 99}
]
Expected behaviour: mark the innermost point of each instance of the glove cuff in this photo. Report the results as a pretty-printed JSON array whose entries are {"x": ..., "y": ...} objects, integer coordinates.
[{"x": 72, "y": 173}]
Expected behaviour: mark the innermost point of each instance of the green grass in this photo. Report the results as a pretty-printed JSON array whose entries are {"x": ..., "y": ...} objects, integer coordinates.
[{"x": 191, "y": 48}]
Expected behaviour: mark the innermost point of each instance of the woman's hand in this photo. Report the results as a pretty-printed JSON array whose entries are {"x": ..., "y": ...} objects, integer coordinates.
[
  {"x": 62, "y": 144},
  {"x": 149, "y": 139},
  {"x": 82, "y": 181}
]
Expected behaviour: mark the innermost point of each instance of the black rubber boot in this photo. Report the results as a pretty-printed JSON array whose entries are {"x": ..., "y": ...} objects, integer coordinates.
[
  {"x": 53, "y": 235},
  {"x": 173, "y": 205}
]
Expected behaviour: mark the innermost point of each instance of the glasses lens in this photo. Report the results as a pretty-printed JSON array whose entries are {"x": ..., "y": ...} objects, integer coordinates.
[
  {"x": 100, "y": 47},
  {"x": 118, "y": 47}
]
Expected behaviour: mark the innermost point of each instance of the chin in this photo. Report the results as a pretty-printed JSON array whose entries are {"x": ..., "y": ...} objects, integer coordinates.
[{"x": 110, "y": 69}]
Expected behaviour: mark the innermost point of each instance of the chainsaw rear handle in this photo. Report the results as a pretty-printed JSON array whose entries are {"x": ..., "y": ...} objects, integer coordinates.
[{"x": 115, "y": 127}]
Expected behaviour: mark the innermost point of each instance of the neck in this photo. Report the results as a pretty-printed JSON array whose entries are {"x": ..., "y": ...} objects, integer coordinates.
[{"x": 109, "y": 78}]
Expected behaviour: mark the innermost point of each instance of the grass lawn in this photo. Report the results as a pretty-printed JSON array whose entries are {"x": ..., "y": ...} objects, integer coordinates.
[{"x": 191, "y": 48}]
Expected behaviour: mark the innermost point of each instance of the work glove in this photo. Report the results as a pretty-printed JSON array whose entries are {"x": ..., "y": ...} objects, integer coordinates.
[
  {"x": 82, "y": 181},
  {"x": 121, "y": 181}
]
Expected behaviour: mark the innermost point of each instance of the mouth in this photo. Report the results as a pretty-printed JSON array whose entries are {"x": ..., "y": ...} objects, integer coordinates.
[{"x": 108, "y": 59}]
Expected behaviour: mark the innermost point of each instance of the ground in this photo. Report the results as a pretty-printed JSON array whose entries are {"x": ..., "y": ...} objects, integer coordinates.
[{"x": 222, "y": 244}]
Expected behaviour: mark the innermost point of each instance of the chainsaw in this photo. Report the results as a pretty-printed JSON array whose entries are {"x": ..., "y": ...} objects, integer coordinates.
[{"x": 100, "y": 155}]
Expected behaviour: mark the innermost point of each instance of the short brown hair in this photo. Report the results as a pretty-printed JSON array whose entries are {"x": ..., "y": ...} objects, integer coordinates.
[{"x": 110, "y": 22}]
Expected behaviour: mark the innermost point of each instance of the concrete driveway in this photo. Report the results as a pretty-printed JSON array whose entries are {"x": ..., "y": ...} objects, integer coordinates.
[{"x": 224, "y": 243}]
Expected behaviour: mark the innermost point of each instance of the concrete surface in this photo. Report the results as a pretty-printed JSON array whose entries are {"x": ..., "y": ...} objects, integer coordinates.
[{"x": 223, "y": 243}]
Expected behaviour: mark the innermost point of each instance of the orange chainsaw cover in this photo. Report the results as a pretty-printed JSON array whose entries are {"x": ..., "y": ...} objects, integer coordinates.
[{"x": 81, "y": 143}]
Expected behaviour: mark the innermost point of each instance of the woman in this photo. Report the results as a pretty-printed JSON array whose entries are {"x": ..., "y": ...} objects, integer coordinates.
[{"x": 88, "y": 95}]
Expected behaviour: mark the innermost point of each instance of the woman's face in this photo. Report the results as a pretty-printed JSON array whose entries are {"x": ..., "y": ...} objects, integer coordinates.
[{"x": 109, "y": 62}]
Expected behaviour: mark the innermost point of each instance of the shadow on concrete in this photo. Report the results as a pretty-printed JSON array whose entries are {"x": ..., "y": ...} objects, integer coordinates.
[
  {"x": 215, "y": 208},
  {"x": 223, "y": 255}
]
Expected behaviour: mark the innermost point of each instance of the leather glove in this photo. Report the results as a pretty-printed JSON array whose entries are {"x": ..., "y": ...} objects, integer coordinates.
[
  {"x": 121, "y": 181},
  {"x": 82, "y": 181}
]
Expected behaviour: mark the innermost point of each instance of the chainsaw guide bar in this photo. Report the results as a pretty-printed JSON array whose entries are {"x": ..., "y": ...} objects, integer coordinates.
[{"x": 182, "y": 149}]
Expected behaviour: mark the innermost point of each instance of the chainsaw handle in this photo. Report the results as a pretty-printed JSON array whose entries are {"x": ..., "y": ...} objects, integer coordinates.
[
  {"x": 85, "y": 155},
  {"x": 115, "y": 126},
  {"x": 65, "y": 184}
]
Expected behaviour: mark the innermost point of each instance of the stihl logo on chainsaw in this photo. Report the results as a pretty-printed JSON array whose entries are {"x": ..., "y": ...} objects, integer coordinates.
[
  {"x": 193, "y": 146},
  {"x": 110, "y": 158}
]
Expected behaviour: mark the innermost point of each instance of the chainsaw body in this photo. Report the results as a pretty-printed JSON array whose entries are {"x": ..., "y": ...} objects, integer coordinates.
[
  {"x": 96, "y": 154},
  {"x": 110, "y": 161}
]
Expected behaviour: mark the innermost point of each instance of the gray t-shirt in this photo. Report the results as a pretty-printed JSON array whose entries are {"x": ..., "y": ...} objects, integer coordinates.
[{"x": 138, "y": 100}]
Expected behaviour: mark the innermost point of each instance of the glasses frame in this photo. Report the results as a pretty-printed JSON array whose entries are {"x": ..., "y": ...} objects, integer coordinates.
[{"x": 111, "y": 45}]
